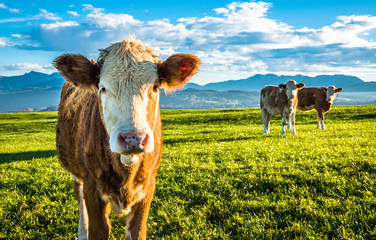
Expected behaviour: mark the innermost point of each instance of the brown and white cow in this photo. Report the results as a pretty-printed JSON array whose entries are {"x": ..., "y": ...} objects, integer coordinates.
[
  {"x": 319, "y": 98},
  {"x": 281, "y": 100},
  {"x": 109, "y": 133}
]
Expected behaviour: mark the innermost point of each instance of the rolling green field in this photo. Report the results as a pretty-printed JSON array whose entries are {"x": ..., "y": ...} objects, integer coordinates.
[{"x": 220, "y": 178}]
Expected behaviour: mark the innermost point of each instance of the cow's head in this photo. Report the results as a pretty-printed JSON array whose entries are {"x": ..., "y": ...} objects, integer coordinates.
[
  {"x": 127, "y": 79},
  {"x": 291, "y": 88},
  {"x": 331, "y": 93}
]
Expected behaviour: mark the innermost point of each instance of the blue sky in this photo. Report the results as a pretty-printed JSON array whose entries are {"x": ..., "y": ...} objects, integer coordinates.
[{"x": 234, "y": 39}]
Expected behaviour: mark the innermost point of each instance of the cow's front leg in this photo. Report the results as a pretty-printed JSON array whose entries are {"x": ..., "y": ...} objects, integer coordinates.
[
  {"x": 292, "y": 119},
  {"x": 284, "y": 119},
  {"x": 288, "y": 121},
  {"x": 136, "y": 220},
  {"x": 320, "y": 120},
  {"x": 83, "y": 220},
  {"x": 99, "y": 227}
]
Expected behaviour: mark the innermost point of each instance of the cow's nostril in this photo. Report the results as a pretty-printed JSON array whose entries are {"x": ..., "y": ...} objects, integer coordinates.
[{"x": 145, "y": 140}]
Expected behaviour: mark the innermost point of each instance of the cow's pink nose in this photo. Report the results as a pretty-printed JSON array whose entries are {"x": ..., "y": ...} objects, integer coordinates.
[{"x": 133, "y": 143}]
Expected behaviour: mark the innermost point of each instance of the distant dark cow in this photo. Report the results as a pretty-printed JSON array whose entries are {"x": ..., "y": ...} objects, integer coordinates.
[
  {"x": 280, "y": 100},
  {"x": 109, "y": 133},
  {"x": 319, "y": 98}
]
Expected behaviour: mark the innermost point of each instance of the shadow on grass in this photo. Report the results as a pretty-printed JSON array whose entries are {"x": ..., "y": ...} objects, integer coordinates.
[{"x": 24, "y": 156}]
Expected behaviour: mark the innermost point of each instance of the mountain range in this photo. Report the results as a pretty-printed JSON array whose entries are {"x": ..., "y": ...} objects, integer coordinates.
[
  {"x": 258, "y": 81},
  {"x": 38, "y": 91}
]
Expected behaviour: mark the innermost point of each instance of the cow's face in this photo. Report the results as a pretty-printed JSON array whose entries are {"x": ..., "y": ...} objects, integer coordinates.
[
  {"x": 291, "y": 89},
  {"x": 127, "y": 80},
  {"x": 331, "y": 93}
]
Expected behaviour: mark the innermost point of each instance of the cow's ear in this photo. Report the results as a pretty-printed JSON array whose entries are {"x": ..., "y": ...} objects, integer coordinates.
[
  {"x": 282, "y": 86},
  {"x": 77, "y": 69},
  {"x": 338, "y": 90},
  {"x": 324, "y": 88},
  {"x": 300, "y": 85},
  {"x": 176, "y": 71}
]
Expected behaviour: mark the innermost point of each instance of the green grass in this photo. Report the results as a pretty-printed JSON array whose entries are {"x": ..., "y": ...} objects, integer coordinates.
[{"x": 220, "y": 178}]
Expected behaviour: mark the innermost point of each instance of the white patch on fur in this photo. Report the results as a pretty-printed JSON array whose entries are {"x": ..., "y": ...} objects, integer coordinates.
[
  {"x": 128, "y": 73},
  {"x": 291, "y": 89},
  {"x": 266, "y": 130},
  {"x": 322, "y": 125},
  {"x": 293, "y": 130},
  {"x": 139, "y": 194},
  {"x": 117, "y": 207},
  {"x": 129, "y": 160},
  {"x": 127, "y": 228},
  {"x": 83, "y": 221},
  {"x": 331, "y": 94}
]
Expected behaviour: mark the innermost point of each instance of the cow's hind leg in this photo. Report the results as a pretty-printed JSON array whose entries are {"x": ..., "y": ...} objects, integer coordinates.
[
  {"x": 83, "y": 221},
  {"x": 99, "y": 227},
  {"x": 266, "y": 120}
]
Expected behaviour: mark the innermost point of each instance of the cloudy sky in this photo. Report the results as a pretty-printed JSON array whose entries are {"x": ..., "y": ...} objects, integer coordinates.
[{"x": 234, "y": 39}]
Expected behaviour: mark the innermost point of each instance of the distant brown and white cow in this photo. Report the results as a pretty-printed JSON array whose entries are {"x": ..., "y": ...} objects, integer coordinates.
[
  {"x": 109, "y": 133},
  {"x": 280, "y": 100},
  {"x": 319, "y": 98}
]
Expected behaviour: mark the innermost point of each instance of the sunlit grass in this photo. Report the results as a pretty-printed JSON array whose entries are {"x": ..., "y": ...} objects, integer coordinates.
[{"x": 220, "y": 178}]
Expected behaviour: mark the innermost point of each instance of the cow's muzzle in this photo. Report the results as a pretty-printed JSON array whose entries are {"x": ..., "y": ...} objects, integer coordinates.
[{"x": 134, "y": 143}]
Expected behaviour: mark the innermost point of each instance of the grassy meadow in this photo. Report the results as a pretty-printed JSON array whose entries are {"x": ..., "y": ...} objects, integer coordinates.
[{"x": 220, "y": 178}]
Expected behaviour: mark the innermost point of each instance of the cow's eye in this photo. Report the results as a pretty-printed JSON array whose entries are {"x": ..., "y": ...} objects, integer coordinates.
[
  {"x": 102, "y": 89},
  {"x": 155, "y": 88}
]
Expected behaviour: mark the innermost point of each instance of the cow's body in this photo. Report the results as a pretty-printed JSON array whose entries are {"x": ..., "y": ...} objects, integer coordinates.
[
  {"x": 280, "y": 100},
  {"x": 114, "y": 156},
  {"x": 319, "y": 98}
]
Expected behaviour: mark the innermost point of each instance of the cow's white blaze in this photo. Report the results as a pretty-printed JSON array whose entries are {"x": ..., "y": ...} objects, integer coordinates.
[
  {"x": 291, "y": 89},
  {"x": 127, "y": 79},
  {"x": 331, "y": 94}
]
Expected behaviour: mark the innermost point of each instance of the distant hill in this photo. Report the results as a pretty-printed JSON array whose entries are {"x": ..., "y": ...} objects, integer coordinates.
[
  {"x": 36, "y": 91},
  {"x": 258, "y": 81},
  {"x": 206, "y": 99},
  {"x": 31, "y": 79}
]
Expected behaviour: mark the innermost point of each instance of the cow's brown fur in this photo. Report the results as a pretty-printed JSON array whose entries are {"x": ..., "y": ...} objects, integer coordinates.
[
  {"x": 315, "y": 98},
  {"x": 80, "y": 128},
  {"x": 83, "y": 149}
]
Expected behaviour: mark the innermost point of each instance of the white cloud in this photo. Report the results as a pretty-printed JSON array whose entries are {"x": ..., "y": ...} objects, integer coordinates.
[
  {"x": 55, "y": 26},
  {"x": 237, "y": 38},
  {"x": 113, "y": 20},
  {"x": 3, "y": 41},
  {"x": 20, "y": 36},
  {"x": 47, "y": 15},
  {"x": 44, "y": 14},
  {"x": 73, "y": 13},
  {"x": 27, "y": 67},
  {"x": 89, "y": 7},
  {"x": 12, "y": 10}
]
